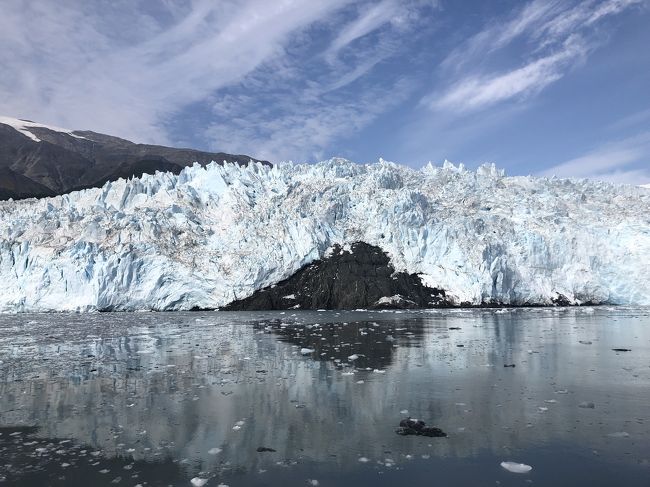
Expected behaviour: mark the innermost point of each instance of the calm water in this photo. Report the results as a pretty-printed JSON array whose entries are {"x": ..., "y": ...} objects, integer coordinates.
[{"x": 164, "y": 398}]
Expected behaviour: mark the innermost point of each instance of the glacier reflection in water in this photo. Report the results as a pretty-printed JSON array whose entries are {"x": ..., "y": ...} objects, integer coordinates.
[{"x": 166, "y": 397}]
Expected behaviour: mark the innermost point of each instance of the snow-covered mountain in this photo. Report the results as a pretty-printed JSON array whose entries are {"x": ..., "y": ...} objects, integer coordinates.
[{"x": 210, "y": 235}]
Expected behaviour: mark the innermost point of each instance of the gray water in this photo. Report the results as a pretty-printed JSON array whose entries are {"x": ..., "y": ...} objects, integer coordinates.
[{"x": 163, "y": 398}]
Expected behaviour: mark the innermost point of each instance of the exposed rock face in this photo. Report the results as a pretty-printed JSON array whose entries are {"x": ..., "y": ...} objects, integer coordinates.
[
  {"x": 417, "y": 427},
  {"x": 39, "y": 161},
  {"x": 360, "y": 276},
  {"x": 17, "y": 186}
]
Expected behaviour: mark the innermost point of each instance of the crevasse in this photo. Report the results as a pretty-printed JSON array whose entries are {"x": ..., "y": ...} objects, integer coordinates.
[{"x": 211, "y": 235}]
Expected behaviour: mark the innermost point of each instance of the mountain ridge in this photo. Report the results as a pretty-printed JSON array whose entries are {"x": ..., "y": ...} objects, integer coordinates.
[{"x": 39, "y": 160}]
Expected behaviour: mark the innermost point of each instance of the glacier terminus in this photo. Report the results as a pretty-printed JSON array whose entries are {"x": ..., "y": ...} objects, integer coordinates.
[{"x": 211, "y": 235}]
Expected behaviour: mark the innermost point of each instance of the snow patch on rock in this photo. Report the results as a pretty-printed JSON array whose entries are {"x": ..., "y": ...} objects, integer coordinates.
[{"x": 23, "y": 127}]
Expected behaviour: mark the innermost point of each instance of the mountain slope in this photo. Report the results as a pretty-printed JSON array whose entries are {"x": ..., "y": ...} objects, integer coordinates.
[
  {"x": 52, "y": 160},
  {"x": 212, "y": 235},
  {"x": 17, "y": 186}
]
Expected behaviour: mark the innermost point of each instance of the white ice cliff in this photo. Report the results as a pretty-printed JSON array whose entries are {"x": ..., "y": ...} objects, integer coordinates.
[{"x": 212, "y": 235}]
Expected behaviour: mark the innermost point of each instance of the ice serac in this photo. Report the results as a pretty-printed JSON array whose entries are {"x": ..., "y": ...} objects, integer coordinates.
[{"x": 212, "y": 235}]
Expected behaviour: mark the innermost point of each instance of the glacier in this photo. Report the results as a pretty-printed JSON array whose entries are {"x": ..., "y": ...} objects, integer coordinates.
[{"x": 210, "y": 235}]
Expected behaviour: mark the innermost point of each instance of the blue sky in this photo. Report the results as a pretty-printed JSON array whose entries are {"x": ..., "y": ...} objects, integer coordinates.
[{"x": 537, "y": 87}]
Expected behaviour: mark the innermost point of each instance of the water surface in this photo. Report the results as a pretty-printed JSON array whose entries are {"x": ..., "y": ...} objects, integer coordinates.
[{"x": 163, "y": 398}]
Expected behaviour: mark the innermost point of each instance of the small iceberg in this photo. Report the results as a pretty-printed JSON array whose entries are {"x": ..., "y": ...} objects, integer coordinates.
[{"x": 515, "y": 467}]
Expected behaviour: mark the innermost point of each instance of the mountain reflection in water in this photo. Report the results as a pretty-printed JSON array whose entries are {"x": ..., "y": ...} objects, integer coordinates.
[{"x": 183, "y": 395}]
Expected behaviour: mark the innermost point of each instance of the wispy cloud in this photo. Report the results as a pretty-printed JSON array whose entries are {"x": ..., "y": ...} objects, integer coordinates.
[
  {"x": 299, "y": 128},
  {"x": 316, "y": 102},
  {"x": 500, "y": 33},
  {"x": 130, "y": 68},
  {"x": 622, "y": 161},
  {"x": 583, "y": 15},
  {"x": 556, "y": 35},
  {"x": 66, "y": 58},
  {"x": 480, "y": 91},
  {"x": 369, "y": 20}
]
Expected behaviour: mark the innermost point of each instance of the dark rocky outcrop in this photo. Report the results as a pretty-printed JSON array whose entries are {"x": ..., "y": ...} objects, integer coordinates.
[
  {"x": 561, "y": 300},
  {"x": 362, "y": 277},
  {"x": 60, "y": 163},
  {"x": 417, "y": 427}
]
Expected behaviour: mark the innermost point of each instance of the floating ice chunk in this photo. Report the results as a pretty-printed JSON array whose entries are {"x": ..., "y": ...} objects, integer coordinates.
[
  {"x": 364, "y": 459},
  {"x": 214, "y": 451},
  {"x": 515, "y": 467},
  {"x": 198, "y": 482},
  {"x": 307, "y": 351},
  {"x": 313, "y": 482},
  {"x": 353, "y": 357},
  {"x": 619, "y": 434}
]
